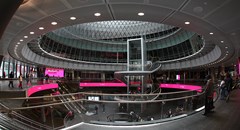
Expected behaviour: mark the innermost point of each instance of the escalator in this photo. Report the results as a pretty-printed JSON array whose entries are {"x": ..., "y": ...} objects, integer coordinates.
[
  {"x": 76, "y": 107},
  {"x": 7, "y": 123}
]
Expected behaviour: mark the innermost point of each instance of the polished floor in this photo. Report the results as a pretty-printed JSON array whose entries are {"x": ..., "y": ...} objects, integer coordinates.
[
  {"x": 226, "y": 116},
  {"x": 4, "y": 85}
]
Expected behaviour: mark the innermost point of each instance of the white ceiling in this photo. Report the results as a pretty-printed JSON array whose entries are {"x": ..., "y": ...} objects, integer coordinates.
[{"x": 218, "y": 16}]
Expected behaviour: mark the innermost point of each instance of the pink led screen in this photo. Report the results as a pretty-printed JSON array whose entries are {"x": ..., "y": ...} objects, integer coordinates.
[
  {"x": 177, "y": 77},
  {"x": 38, "y": 88},
  {"x": 53, "y": 72},
  {"x": 102, "y": 84},
  {"x": 182, "y": 86}
]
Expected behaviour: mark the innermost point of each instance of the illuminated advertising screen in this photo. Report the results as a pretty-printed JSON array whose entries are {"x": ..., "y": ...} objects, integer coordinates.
[
  {"x": 93, "y": 98},
  {"x": 177, "y": 77},
  {"x": 54, "y": 72}
]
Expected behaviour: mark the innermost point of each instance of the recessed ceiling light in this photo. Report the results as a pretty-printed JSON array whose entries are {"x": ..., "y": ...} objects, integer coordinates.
[
  {"x": 222, "y": 41},
  {"x": 140, "y": 14},
  {"x": 31, "y": 32},
  {"x": 41, "y": 28},
  {"x": 97, "y": 14},
  {"x": 211, "y": 33},
  {"x": 187, "y": 22},
  {"x": 21, "y": 40},
  {"x": 73, "y": 18},
  {"x": 25, "y": 36},
  {"x": 54, "y": 23},
  {"x": 18, "y": 43},
  {"x": 226, "y": 47}
]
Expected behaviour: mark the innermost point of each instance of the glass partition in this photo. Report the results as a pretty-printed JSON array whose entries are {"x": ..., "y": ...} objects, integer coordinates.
[{"x": 60, "y": 109}]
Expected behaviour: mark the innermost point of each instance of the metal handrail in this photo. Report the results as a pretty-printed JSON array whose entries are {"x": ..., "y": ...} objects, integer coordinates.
[{"x": 23, "y": 118}]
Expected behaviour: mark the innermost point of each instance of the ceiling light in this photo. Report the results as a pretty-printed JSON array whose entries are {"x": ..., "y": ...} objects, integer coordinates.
[
  {"x": 41, "y": 28},
  {"x": 187, "y": 22},
  {"x": 73, "y": 18},
  {"x": 31, "y": 32},
  {"x": 21, "y": 40},
  {"x": 54, "y": 23},
  {"x": 140, "y": 14},
  {"x": 226, "y": 47},
  {"x": 222, "y": 41},
  {"x": 97, "y": 14},
  {"x": 25, "y": 36},
  {"x": 211, "y": 33},
  {"x": 18, "y": 43}
]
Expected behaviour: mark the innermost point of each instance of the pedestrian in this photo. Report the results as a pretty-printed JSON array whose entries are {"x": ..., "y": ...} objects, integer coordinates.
[
  {"x": 229, "y": 84},
  {"x": 96, "y": 109},
  {"x": 20, "y": 79},
  {"x": 209, "y": 95},
  {"x": 46, "y": 78},
  {"x": 223, "y": 88},
  {"x": 27, "y": 79},
  {"x": 4, "y": 75},
  {"x": 11, "y": 76}
]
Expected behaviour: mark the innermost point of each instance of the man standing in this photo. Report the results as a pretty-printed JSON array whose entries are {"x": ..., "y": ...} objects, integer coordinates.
[
  {"x": 11, "y": 76},
  {"x": 209, "y": 95}
]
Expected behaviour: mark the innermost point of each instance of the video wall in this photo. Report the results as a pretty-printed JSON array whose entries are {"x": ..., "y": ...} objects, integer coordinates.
[{"x": 54, "y": 72}]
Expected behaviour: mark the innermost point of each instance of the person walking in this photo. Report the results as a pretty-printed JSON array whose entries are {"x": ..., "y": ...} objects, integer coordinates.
[
  {"x": 11, "y": 76},
  {"x": 20, "y": 79},
  {"x": 229, "y": 84},
  {"x": 27, "y": 79}
]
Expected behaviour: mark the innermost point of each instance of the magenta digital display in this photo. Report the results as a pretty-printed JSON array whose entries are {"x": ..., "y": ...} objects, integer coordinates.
[
  {"x": 102, "y": 84},
  {"x": 177, "y": 77},
  {"x": 53, "y": 72},
  {"x": 39, "y": 88},
  {"x": 182, "y": 86}
]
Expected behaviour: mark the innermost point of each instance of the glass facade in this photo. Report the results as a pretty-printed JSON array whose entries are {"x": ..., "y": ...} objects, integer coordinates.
[
  {"x": 111, "y": 53},
  {"x": 17, "y": 68}
]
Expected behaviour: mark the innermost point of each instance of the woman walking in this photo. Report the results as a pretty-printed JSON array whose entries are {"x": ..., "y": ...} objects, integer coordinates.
[{"x": 20, "y": 81}]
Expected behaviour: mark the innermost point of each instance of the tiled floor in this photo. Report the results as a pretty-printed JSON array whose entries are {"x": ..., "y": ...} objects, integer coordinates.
[{"x": 4, "y": 85}]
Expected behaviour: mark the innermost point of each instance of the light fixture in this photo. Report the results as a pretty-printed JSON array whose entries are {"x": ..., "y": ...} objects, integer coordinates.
[
  {"x": 21, "y": 40},
  {"x": 31, "y": 32},
  {"x": 41, "y": 28},
  {"x": 25, "y": 36},
  {"x": 187, "y": 22},
  {"x": 73, "y": 18},
  {"x": 226, "y": 47},
  {"x": 97, "y": 14},
  {"x": 222, "y": 41},
  {"x": 18, "y": 43},
  {"x": 211, "y": 33},
  {"x": 54, "y": 23},
  {"x": 140, "y": 14}
]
